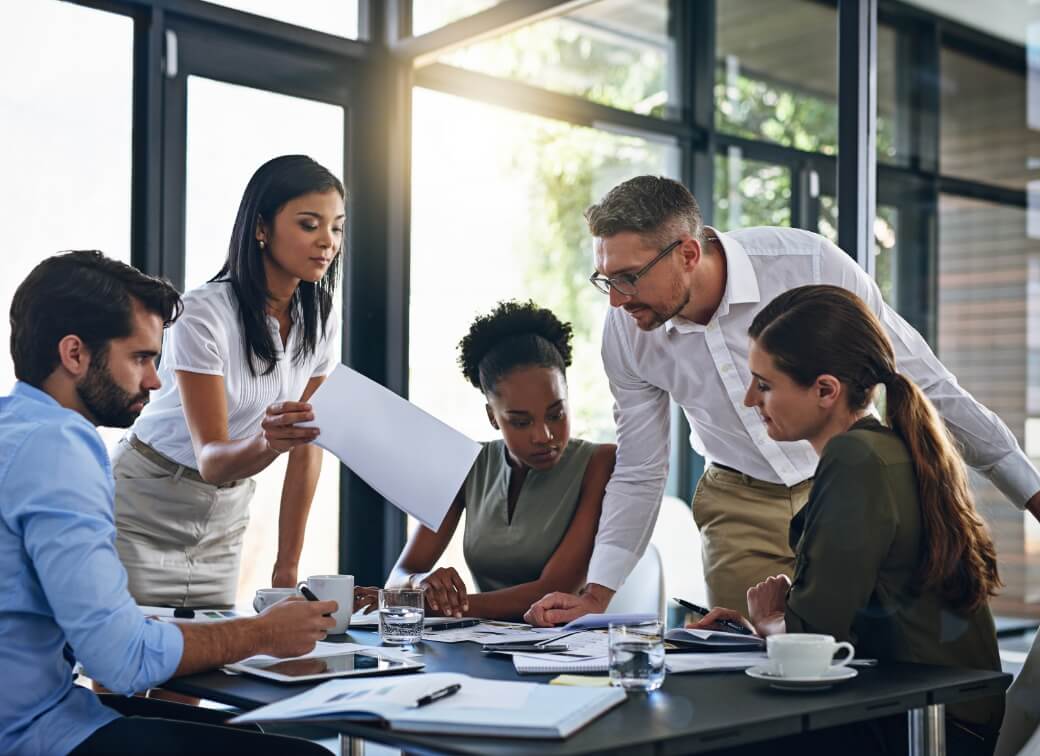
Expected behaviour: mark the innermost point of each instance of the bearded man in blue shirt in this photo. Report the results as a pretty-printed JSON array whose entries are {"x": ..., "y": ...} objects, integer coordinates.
[{"x": 85, "y": 334}]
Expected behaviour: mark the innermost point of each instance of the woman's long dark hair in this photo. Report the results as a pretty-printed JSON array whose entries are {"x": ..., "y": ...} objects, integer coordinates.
[
  {"x": 275, "y": 183},
  {"x": 815, "y": 330}
]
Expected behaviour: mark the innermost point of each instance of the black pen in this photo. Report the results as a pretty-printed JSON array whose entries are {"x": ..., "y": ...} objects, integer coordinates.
[
  {"x": 437, "y": 695},
  {"x": 730, "y": 624},
  {"x": 309, "y": 595},
  {"x": 451, "y": 625}
]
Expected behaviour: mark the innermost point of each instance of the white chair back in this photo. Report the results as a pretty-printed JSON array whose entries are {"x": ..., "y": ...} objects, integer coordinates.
[
  {"x": 679, "y": 544},
  {"x": 1020, "y": 732},
  {"x": 643, "y": 591}
]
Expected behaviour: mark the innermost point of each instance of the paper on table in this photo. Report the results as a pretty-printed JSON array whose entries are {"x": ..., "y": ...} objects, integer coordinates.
[
  {"x": 590, "y": 621},
  {"x": 411, "y": 458},
  {"x": 713, "y": 662}
]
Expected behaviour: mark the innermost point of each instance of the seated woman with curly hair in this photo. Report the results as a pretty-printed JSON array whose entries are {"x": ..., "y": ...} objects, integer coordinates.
[{"x": 532, "y": 498}]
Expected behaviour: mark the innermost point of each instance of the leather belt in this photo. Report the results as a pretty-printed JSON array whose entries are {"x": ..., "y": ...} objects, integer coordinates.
[
  {"x": 735, "y": 471},
  {"x": 174, "y": 468}
]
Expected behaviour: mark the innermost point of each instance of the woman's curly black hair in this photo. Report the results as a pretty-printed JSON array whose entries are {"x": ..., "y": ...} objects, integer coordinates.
[{"x": 514, "y": 334}]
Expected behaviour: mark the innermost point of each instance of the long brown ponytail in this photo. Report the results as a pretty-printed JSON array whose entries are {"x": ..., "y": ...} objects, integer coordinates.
[{"x": 814, "y": 330}]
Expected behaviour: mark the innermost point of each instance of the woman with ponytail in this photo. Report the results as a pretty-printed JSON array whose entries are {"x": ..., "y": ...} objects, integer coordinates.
[
  {"x": 532, "y": 499},
  {"x": 890, "y": 551}
]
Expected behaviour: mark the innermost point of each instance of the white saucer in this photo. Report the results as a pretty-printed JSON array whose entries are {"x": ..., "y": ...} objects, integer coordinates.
[{"x": 829, "y": 678}]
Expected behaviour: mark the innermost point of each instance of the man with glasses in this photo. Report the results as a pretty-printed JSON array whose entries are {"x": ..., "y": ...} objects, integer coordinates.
[{"x": 682, "y": 297}]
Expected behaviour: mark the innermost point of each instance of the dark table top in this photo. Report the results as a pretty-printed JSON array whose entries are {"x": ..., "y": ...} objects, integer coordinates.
[{"x": 691, "y": 713}]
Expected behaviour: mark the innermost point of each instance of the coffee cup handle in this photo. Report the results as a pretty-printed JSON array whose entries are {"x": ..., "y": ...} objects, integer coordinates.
[
  {"x": 256, "y": 604},
  {"x": 851, "y": 655}
]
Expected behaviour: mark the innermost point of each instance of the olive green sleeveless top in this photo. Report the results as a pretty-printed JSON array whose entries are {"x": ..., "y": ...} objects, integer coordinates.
[{"x": 500, "y": 553}]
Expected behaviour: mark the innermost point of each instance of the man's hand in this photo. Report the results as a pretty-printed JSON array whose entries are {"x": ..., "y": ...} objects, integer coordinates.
[
  {"x": 559, "y": 608},
  {"x": 767, "y": 602},
  {"x": 284, "y": 576},
  {"x": 445, "y": 591},
  {"x": 292, "y": 627},
  {"x": 1033, "y": 505},
  {"x": 279, "y": 426}
]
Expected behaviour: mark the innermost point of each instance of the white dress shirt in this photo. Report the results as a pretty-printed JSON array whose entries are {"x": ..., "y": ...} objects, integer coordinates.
[
  {"x": 705, "y": 370},
  {"x": 208, "y": 338}
]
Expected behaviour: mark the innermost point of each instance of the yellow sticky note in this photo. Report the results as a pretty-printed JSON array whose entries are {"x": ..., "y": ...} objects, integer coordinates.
[{"x": 581, "y": 681}]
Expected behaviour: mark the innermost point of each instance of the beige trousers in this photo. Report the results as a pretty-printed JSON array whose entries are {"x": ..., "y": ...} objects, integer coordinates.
[
  {"x": 744, "y": 524},
  {"x": 179, "y": 539}
]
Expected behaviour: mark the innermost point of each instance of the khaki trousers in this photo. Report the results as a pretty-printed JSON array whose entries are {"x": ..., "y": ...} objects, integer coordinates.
[
  {"x": 744, "y": 525},
  {"x": 180, "y": 540}
]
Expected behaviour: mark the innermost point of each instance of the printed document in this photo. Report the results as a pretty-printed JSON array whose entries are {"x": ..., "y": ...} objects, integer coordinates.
[{"x": 411, "y": 458}]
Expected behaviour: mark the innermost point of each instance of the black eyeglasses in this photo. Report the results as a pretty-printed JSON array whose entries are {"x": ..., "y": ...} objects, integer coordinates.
[{"x": 625, "y": 283}]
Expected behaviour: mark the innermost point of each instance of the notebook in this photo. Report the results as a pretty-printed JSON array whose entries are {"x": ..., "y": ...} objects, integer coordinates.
[
  {"x": 480, "y": 707},
  {"x": 685, "y": 640}
]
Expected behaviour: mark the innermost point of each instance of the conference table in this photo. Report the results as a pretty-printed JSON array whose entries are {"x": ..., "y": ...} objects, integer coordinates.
[{"x": 690, "y": 714}]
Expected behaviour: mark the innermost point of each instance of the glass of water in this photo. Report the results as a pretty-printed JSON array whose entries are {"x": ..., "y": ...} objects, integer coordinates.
[
  {"x": 636, "y": 655},
  {"x": 401, "y": 614}
]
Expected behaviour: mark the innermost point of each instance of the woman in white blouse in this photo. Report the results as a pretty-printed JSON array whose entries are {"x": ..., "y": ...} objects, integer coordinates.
[{"x": 238, "y": 367}]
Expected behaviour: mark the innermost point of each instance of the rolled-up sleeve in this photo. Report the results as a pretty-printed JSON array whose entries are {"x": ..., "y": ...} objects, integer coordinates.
[
  {"x": 985, "y": 441},
  {"x": 68, "y": 532},
  {"x": 633, "y": 495}
]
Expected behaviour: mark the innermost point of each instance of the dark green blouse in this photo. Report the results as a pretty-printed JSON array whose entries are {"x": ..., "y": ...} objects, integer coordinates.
[{"x": 857, "y": 544}]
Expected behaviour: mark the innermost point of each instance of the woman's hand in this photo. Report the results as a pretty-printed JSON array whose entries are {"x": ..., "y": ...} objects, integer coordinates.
[
  {"x": 366, "y": 598},
  {"x": 767, "y": 601},
  {"x": 284, "y": 576},
  {"x": 279, "y": 426},
  {"x": 445, "y": 591},
  {"x": 709, "y": 620}
]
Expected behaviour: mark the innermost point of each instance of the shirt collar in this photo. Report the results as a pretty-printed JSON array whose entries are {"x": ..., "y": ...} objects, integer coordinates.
[
  {"x": 27, "y": 391},
  {"x": 741, "y": 282}
]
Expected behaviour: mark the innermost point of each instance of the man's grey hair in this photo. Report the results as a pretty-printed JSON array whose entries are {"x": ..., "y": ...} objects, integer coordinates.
[{"x": 655, "y": 207}]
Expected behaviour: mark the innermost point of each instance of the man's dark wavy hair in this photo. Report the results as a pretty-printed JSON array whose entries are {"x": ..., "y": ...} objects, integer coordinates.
[{"x": 82, "y": 293}]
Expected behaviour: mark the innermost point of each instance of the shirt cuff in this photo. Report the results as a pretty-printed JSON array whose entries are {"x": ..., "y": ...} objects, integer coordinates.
[
  {"x": 168, "y": 649},
  {"x": 610, "y": 565},
  {"x": 1016, "y": 477}
]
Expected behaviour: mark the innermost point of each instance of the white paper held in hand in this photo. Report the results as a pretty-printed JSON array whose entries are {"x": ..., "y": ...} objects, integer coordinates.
[{"x": 415, "y": 461}]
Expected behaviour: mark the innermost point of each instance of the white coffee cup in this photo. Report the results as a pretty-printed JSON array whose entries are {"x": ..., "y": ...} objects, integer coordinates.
[
  {"x": 338, "y": 588},
  {"x": 266, "y": 597},
  {"x": 805, "y": 654}
]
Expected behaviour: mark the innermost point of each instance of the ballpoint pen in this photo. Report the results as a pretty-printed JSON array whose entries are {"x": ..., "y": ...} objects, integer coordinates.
[
  {"x": 437, "y": 695},
  {"x": 309, "y": 595},
  {"x": 451, "y": 625},
  {"x": 728, "y": 624}
]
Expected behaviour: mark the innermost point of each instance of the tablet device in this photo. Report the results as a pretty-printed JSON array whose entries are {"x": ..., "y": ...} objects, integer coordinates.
[{"x": 351, "y": 664}]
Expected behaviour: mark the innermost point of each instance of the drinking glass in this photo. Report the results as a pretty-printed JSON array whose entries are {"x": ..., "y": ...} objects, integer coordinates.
[
  {"x": 401, "y": 614},
  {"x": 636, "y": 655}
]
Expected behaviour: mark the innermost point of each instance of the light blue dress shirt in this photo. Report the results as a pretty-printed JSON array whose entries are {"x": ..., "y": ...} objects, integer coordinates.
[{"x": 61, "y": 582}]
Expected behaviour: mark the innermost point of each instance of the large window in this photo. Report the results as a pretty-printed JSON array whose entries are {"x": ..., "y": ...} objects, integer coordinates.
[
  {"x": 615, "y": 52},
  {"x": 510, "y": 227},
  {"x": 339, "y": 17},
  {"x": 64, "y": 141}
]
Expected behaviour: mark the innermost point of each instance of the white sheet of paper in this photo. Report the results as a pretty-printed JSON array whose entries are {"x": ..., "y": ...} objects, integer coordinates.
[{"x": 411, "y": 458}]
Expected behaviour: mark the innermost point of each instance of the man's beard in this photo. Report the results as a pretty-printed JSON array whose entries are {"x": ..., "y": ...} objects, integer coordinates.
[
  {"x": 109, "y": 404},
  {"x": 663, "y": 316}
]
